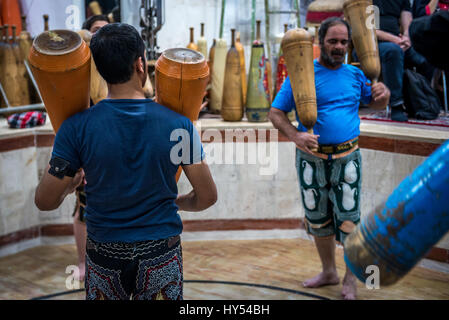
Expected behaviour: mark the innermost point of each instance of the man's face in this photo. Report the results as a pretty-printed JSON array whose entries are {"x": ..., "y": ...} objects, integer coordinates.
[
  {"x": 335, "y": 45},
  {"x": 97, "y": 26}
]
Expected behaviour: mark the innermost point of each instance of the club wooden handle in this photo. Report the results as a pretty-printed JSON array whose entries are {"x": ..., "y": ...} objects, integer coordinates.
[{"x": 297, "y": 47}]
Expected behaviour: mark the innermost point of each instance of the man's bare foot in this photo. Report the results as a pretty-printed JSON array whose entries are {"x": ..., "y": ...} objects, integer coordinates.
[
  {"x": 349, "y": 291},
  {"x": 323, "y": 279}
]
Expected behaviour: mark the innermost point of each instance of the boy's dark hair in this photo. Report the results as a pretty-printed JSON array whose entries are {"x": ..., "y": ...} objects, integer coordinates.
[
  {"x": 115, "y": 48},
  {"x": 89, "y": 22},
  {"x": 330, "y": 22}
]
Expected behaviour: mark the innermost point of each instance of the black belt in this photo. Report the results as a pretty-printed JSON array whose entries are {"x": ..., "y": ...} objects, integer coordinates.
[{"x": 338, "y": 148}]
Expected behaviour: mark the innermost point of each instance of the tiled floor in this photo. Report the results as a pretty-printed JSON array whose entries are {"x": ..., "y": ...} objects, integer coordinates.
[{"x": 219, "y": 269}]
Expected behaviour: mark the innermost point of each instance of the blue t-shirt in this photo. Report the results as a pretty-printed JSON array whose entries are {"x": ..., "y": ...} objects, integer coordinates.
[
  {"x": 338, "y": 93},
  {"x": 130, "y": 151}
]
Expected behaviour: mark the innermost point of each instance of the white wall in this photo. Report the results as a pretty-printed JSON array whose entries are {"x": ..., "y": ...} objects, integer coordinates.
[
  {"x": 180, "y": 15},
  {"x": 64, "y": 14}
]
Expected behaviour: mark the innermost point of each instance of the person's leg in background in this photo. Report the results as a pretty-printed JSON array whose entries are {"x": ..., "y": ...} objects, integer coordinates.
[
  {"x": 417, "y": 60},
  {"x": 80, "y": 233},
  {"x": 392, "y": 61}
]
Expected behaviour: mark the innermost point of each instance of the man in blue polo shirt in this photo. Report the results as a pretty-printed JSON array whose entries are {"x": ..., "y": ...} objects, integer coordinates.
[
  {"x": 129, "y": 149},
  {"x": 330, "y": 179}
]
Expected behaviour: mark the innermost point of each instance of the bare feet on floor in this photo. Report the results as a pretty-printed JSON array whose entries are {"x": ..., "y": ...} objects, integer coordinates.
[
  {"x": 323, "y": 279},
  {"x": 349, "y": 291}
]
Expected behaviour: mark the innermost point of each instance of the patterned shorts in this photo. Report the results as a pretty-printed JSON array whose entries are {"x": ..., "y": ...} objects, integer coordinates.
[
  {"x": 149, "y": 270},
  {"x": 330, "y": 192}
]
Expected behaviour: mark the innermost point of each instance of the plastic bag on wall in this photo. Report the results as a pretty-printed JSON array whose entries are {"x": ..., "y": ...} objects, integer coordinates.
[{"x": 130, "y": 12}]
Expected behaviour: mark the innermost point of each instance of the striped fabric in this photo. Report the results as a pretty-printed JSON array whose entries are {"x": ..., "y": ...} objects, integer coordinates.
[{"x": 27, "y": 120}]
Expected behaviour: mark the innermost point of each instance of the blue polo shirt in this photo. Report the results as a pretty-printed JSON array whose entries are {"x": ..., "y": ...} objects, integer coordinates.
[
  {"x": 339, "y": 93},
  {"x": 130, "y": 151}
]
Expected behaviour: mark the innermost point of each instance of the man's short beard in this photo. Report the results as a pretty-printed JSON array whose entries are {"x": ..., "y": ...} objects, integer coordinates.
[{"x": 327, "y": 59}]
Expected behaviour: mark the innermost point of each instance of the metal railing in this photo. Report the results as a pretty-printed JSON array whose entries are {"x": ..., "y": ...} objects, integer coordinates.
[{"x": 17, "y": 109}]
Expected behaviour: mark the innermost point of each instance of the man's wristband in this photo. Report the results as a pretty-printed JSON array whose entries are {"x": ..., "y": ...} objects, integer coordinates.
[{"x": 60, "y": 168}]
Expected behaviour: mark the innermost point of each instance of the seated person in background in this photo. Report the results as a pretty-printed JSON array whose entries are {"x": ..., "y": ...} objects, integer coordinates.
[
  {"x": 431, "y": 50},
  {"x": 422, "y": 8},
  {"x": 396, "y": 52},
  {"x": 429, "y": 34}
]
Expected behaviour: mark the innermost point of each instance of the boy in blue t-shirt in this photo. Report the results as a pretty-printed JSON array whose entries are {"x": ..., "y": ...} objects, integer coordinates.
[
  {"x": 330, "y": 179},
  {"x": 129, "y": 149}
]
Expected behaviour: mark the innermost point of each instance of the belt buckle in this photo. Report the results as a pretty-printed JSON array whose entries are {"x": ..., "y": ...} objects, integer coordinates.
[{"x": 327, "y": 149}]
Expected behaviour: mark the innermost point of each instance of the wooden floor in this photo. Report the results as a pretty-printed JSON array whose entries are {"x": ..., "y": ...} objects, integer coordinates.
[{"x": 234, "y": 269}]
